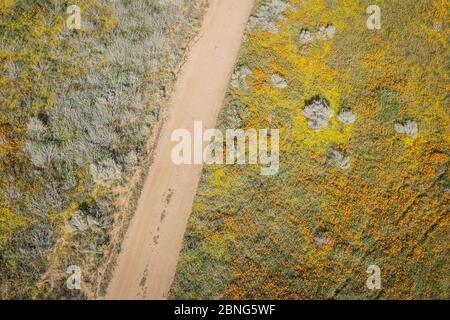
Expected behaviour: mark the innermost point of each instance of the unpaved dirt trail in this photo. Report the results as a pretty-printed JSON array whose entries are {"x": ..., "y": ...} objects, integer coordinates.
[{"x": 147, "y": 262}]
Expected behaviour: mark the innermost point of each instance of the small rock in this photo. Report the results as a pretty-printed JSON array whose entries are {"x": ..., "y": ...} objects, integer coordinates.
[
  {"x": 278, "y": 82},
  {"x": 409, "y": 128},
  {"x": 335, "y": 158},
  {"x": 318, "y": 113},
  {"x": 346, "y": 116}
]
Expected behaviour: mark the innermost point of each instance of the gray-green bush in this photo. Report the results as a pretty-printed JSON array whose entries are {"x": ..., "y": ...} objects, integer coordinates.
[{"x": 119, "y": 69}]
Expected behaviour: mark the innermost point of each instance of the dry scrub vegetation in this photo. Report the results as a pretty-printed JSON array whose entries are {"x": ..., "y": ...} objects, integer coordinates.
[
  {"x": 76, "y": 110},
  {"x": 363, "y": 120}
]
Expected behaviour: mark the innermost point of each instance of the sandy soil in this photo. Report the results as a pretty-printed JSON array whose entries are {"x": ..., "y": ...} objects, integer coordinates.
[{"x": 148, "y": 259}]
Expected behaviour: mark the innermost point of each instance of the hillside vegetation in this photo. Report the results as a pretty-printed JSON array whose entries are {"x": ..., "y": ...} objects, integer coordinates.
[
  {"x": 76, "y": 110},
  {"x": 365, "y": 183}
]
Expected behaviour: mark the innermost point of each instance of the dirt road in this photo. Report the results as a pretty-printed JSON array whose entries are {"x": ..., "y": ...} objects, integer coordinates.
[{"x": 148, "y": 259}]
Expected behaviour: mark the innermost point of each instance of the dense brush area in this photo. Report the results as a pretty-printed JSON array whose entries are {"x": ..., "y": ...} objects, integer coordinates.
[
  {"x": 76, "y": 110},
  {"x": 363, "y": 118}
]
